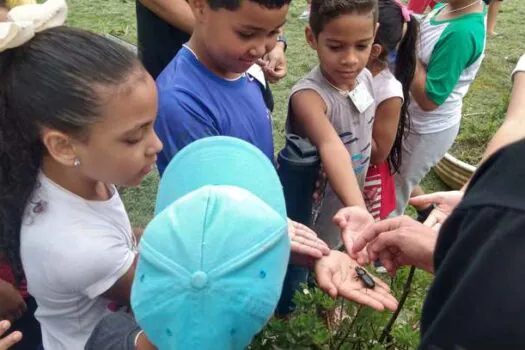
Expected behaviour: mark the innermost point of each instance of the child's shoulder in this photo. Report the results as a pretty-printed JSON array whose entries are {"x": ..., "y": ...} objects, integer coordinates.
[
  {"x": 182, "y": 69},
  {"x": 387, "y": 86},
  {"x": 466, "y": 25},
  {"x": 315, "y": 76},
  {"x": 385, "y": 79},
  {"x": 366, "y": 78},
  {"x": 314, "y": 80}
]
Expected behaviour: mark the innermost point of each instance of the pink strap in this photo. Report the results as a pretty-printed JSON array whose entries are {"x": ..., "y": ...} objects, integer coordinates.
[{"x": 404, "y": 11}]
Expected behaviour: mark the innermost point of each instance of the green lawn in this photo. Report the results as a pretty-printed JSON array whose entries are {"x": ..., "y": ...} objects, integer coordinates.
[
  {"x": 484, "y": 105},
  {"x": 484, "y": 110}
]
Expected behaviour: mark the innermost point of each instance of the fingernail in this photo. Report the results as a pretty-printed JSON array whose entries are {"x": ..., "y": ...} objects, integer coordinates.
[{"x": 4, "y": 324}]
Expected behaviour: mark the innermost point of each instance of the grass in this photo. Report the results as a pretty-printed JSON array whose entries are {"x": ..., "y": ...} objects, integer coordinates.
[{"x": 483, "y": 112}]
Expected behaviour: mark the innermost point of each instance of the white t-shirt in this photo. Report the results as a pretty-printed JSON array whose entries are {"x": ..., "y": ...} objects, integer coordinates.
[
  {"x": 386, "y": 86},
  {"x": 452, "y": 51},
  {"x": 73, "y": 250}
]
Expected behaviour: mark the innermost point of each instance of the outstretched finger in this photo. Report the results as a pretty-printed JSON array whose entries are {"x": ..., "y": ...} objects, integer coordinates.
[
  {"x": 372, "y": 232},
  {"x": 262, "y": 62},
  {"x": 383, "y": 243},
  {"x": 435, "y": 217},
  {"x": 4, "y": 326},
  {"x": 362, "y": 297},
  {"x": 381, "y": 294},
  {"x": 425, "y": 200},
  {"x": 10, "y": 340},
  {"x": 315, "y": 243},
  {"x": 385, "y": 297},
  {"x": 381, "y": 284},
  {"x": 304, "y": 231},
  {"x": 308, "y": 237},
  {"x": 303, "y": 249}
]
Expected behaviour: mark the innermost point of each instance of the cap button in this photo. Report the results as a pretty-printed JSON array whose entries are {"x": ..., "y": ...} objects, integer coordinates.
[{"x": 199, "y": 280}]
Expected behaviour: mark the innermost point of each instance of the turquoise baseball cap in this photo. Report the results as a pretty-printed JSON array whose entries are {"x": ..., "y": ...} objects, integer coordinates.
[
  {"x": 220, "y": 160},
  {"x": 212, "y": 262}
]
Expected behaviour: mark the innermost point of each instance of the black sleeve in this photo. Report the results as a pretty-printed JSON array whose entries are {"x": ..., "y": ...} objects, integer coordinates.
[
  {"x": 477, "y": 300},
  {"x": 116, "y": 331}
]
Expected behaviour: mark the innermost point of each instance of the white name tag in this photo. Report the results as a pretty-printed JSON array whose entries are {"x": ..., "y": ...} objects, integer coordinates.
[
  {"x": 256, "y": 72},
  {"x": 361, "y": 98}
]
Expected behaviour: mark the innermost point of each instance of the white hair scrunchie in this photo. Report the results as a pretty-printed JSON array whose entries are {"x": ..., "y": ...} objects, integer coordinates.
[{"x": 26, "y": 20}]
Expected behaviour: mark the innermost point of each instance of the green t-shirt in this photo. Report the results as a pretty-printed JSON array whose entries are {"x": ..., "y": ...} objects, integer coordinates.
[{"x": 453, "y": 51}]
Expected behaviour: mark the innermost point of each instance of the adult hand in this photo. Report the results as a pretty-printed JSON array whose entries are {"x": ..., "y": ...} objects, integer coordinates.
[
  {"x": 11, "y": 339},
  {"x": 397, "y": 242},
  {"x": 444, "y": 202},
  {"x": 274, "y": 63},
  {"x": 353, "y": 221},
  {"x": 336, "y": 275},
  {"x": 12, "y": 305},
  {"x": 305, "y": 242}
]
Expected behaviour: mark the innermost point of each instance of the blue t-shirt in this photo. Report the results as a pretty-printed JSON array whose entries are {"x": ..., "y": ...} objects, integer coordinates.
[{"x": 195, "y": 103}]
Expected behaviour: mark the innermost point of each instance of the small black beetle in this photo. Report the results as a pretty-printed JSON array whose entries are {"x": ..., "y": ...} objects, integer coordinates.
[{"x": 365, "y": 277}]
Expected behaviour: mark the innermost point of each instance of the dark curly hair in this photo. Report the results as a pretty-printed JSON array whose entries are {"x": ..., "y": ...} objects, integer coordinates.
[
  {"x": 49, "y": 82},
  {"x": 389, "y": 36},
  {"x": 323, "y": 11}
]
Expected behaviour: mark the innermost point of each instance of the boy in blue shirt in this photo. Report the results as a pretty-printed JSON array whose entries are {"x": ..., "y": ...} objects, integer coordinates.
[
  {"x": 206, "y": 90},
  {"x": 212, "y": 89}
]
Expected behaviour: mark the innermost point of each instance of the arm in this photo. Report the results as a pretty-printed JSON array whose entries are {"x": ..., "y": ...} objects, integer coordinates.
[
  {"x": 385, "y": 128},
  {"x": 479, "y": 261},
  {"x": 176, "y": 12},
  {"x": 120, "y": 292},
  {"x": 12, "y": 305},
  {"x": 418, "y": 89},
  {"x": 311, "y": 121},
  {"x": 280, "y": 43},
  {"x": 274, "y": 62},
  {"x": 432, "y": 85}
]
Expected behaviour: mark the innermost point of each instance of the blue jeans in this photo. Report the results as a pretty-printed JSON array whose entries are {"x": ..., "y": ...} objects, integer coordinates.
[{"x": 295, "y": 276}]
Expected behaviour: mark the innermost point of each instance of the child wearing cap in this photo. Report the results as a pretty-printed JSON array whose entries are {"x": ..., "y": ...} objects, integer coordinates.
[{"x": 213, "y": 282}]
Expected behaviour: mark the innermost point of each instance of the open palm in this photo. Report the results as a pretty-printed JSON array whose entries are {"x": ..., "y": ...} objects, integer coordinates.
[
  {"x": 353, "y": 221},
  {"x": 336, "y": 275}
]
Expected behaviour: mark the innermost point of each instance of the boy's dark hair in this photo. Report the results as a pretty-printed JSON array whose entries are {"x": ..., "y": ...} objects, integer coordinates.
[
  {"x": 389, "y": 36},
  {"x": 323, "y": 11},
  {"x": 232, "y": 5},
  {"x": 3, "y": 4},
  {"x": 52, "y": 81}
]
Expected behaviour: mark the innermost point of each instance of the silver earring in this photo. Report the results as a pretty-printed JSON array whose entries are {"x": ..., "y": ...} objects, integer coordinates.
[{"x": 76, "y": 162}]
